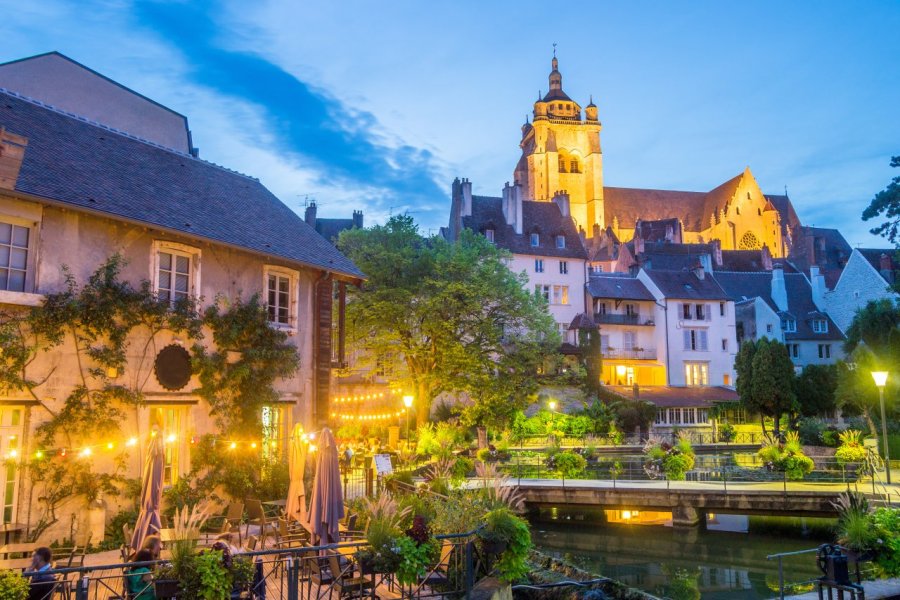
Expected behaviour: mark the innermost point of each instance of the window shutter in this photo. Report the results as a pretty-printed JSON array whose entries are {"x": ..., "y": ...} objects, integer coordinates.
[
  {"x": 687, "y": 339},
  {"x": 702, "y": 341}
]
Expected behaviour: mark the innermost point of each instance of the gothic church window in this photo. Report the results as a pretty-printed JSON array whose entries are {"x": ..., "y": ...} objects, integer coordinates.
[
  {"x": 749, "y": 241},
  {"x": 562, "y": 164},
  {"x": 573, "y": 166}
]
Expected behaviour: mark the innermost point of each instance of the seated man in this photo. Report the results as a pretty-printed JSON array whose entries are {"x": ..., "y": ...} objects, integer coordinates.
[{"x": 42, "y": 583}]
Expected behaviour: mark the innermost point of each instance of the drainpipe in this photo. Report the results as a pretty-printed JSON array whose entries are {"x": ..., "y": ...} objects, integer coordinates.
[
  {"x": 665, "y": 308},
  {"x": 315, "y": 349}
]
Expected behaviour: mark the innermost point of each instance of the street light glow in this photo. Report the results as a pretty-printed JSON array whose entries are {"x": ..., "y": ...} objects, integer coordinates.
[
  {"x": 407, "y": 401},
  {"x": 552, "y": 404},
  {"x": 880, "y": 378}
]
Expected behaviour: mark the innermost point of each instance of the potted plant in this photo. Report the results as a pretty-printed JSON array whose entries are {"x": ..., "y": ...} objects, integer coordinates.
[
  {"x": 13, "y": 586},
  {"x": 242, "y": 573},
  {"x": 503, "y": 529},
  {"x": 180, "y": 578},
  {"x": 855, "y": 529},
  {"x": 851, "y": 449},
  {"x": 214, "y": 575},
  {"x": 417, "y": 549}
]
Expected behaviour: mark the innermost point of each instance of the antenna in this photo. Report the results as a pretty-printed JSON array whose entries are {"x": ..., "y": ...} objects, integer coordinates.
[{"x": 554, "y": 49}]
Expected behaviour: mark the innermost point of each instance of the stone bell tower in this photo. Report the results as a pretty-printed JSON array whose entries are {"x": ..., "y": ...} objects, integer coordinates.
[{"x": 561, "y": 153}]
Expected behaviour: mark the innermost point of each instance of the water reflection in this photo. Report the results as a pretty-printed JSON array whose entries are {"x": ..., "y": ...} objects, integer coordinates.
[{"x": 725, "y": 559}]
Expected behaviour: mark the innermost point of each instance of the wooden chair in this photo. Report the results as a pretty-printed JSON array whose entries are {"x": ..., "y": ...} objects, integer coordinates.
[
  {"x": 320, "y": 575},
  {"x": 252, "y": 543},
  {"x": 257, "y": 516},
  {"x": 229, "y": 521},
  {"x": 346, "y": 582},
  {"x": 349, "y": 532}
]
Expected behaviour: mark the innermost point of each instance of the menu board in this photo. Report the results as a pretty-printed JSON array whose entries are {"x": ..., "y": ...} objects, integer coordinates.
[{"x": 383, "y": 464}]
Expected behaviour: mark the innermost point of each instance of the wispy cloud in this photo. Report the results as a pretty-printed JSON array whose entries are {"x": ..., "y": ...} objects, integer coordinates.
[{"x": 307, "y": 125}]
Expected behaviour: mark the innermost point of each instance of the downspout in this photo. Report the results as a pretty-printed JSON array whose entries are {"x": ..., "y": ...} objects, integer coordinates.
[
  {"x": 665, "y": 308},
  {"x": 316, "y": 347}
]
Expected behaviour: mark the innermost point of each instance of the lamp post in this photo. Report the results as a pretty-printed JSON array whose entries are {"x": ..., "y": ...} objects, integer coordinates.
[
  {"x": 880, "y": 378},
  {"x": 407, "y": 402}
]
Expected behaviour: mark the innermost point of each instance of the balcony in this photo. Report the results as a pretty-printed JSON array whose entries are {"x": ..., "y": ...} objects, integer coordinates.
[
  {"x": 633, "y": 354},
  {"x": 622, "y": 320}
]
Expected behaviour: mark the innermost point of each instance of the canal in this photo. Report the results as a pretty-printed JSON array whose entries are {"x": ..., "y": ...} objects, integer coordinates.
[{"x": 724, "y": 559}]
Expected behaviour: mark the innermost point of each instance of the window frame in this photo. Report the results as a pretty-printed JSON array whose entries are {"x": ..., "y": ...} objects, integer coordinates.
[
  {"x": 696, "y": 371},
  {"x": 193, "y": 253},
  {"x": 33, "y": 228},
  {"x": 11, "y": 438},
  {"x": 539, "y": 265},
  {"x": 563, "y": 267},
  {"x": 535, "y": 239},
  {"x": 560, "y": 242},
  {"x": 293, "y": 278},
  {"x": 489, "y": 234}
]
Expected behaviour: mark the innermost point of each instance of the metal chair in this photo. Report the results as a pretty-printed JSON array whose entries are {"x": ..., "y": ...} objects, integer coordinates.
[
  {"x": 346, "y": 582},
  {"x": 257, "y": 516}
]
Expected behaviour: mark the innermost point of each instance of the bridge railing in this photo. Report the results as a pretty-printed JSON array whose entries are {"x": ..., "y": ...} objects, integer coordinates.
[
  {"x": 741, "y": 438},
  {"x": 731, "y": 469},
  {"x": 860, "y": 569}
]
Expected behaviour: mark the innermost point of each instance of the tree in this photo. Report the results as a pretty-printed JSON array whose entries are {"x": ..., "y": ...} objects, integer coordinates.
[
  {"x": 877, "y": 325},
  {"x": 856, "y": 392},
  {"x": 887, "y": 203},
  {"x": 815, "y": 388},
  {"x": 591, "y": 359},
  {"x": 458, "y": 319},
  {"x": 765, "y": 380}
]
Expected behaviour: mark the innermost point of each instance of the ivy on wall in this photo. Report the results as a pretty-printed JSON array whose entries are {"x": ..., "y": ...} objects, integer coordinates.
[{"x": 111, "y": 329}]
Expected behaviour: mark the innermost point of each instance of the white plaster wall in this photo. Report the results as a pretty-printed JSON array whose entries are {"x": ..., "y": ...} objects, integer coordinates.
[{"x": 575, "y": 279}]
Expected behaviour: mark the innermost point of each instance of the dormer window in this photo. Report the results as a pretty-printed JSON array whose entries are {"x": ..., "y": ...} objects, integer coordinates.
[
  {"x": 560, "y": 241},
  {"x": 788, "y": 324},
  {"x": 820, "y": 326},
  {"x": 535, "y": 240},
  {"x": 489, "y": 234}
]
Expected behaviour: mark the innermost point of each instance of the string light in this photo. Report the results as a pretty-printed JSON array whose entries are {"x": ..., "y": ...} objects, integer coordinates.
[
  {"x": 171, "y": 439},
  {"x": 132, "y": 441},
  {"x": 233, "y": 445},
  {"x": 109, "y": 446},
  {"x": 86, "y": 452},
  {"x": 39, "y": 455}
]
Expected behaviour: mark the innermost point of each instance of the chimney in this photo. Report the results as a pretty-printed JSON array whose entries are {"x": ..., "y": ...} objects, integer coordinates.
[
  {"x": 561, "y": 198},
  {"x": 517, "y": 200},
  {"x": 717, "y": 251},
  {"x": 595, "y": 230},
  {"x": 779, "y": 291},
  {"x": 698, "y": 270},
  {"x": 509, "y": 205},
  {"x": 766, "y": 257},
  {"x": 12, "y": 151},
  {"x": 358, "y": 219},
  {"x": 817, "y": 281},
  {"x": 466, "y": 186},
  {"x": 310, "y": 216}
]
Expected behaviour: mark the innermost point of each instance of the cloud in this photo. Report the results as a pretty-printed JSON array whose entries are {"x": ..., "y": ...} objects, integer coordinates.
[{"x": 333, "y": 145}]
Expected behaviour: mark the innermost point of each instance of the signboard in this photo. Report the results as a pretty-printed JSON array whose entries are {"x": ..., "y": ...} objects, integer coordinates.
[{"x": 383, "y": 464}]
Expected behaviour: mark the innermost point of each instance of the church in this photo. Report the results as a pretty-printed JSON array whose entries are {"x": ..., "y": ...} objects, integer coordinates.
[{"x": 562, "y": 159}]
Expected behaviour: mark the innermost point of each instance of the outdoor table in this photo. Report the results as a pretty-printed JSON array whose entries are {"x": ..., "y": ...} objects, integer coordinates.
[{"x": 276, "y": 507}]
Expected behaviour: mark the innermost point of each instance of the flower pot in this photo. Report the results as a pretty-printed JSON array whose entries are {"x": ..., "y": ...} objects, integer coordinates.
[
  {"x": 367, "y": 566},
  {"x": 494, "y": 546},
  {"x": 166, "y": 588}
]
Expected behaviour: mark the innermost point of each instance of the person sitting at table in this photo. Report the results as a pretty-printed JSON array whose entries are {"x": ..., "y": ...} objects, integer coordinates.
[
  {"x": 151, "y": 543},
  {"x": 42, "y": 583},
  {"x": 139, "y": 580}
]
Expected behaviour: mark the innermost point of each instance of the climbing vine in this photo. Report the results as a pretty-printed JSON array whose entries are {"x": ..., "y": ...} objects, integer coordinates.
[{"x": 104, "y": 333}]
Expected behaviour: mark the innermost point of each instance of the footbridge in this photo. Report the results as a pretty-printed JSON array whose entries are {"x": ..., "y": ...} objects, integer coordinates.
[{"x": 688, "y": 501}]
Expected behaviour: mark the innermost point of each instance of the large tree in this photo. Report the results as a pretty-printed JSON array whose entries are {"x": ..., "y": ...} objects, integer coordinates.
[
  {"x": 765, "y": 380},
  {"x": 886, "y": 203},
  {"x": 453, "y": 313},
  {"x": 815, "y": 387}
]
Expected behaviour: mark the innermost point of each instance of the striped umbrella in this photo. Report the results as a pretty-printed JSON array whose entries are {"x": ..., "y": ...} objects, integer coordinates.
[{"x": 148, "y": 522}]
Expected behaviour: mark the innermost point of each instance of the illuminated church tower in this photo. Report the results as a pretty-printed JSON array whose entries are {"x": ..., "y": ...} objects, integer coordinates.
[{"x": 561, "y": 153}]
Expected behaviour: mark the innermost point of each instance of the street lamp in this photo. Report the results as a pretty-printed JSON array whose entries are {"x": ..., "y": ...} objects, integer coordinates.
[
  {"x": 407, "y": 402},
  {"x": 880, "y": 378},
  {"x": 552, "y": 404}
]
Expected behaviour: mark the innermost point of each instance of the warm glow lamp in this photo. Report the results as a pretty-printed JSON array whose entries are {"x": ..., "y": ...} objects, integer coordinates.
[
  {"x": 408, "y": 401},
  {"x": 880, "y": 378},
  {"x": 552, "y": 404}
]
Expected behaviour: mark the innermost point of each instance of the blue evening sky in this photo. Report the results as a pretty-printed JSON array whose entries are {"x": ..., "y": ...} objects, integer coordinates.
[{"x": 378, "y": 105}]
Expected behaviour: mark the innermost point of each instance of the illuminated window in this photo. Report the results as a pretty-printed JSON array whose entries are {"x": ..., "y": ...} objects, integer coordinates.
[
  {"x": 274, "y": 431},
  {"x": 560, "y": 294},
  {"x": 11, "y": 430},
  {"x": 696, "y": 373},
  {"x": 13, "y": 256},
  {"x": 171, "y": 422}
]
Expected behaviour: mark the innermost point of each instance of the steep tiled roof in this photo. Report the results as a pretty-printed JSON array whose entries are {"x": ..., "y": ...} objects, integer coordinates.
[
  {"x": 602, "y": 285},
  {"x": 823, "y": 247},
  {"x": 656, "y": 231},
  {"x": 684, "y": 285},
  {"x": 330, "y": 229},
  {"x": 873, "y": 256},
  {"x": 666, "y": 396},
  {"x": 745, "y": 286},
  {"x": 662, "y": 256},
  {"x": 87, "y": 166},
  {"x": 543, "y": 218},
  {"x": 785, "y": 208}
]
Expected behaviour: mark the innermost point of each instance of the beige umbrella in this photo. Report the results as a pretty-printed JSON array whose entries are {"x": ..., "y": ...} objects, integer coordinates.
[
  {"x": 148, "y": 522},
  {"x": 296, "y": 499},
  {"x": 326, "y": 503}
]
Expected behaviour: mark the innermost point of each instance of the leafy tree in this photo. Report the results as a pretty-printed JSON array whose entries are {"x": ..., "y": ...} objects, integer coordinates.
[
  {"x": 589, "y": 342},
  {"x": 765, "y": 380},
  {"x": 815, "y": 388},
  {"x": 856, "y": 393},
  {"x": 887, "y": 203},
  {"x": 877, "y": 325},
  {"x": 457, "y": 317}
]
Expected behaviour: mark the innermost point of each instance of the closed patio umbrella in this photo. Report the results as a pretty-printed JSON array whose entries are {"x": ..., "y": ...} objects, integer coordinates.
[
  {"x": 296, "y": 499},
  {"x": 326, "y": 503},
  {"x": 148, "y": 522}
]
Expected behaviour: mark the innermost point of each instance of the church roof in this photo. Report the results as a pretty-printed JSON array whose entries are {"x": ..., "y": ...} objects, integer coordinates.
[
  {"x": 556, "y": 95},
  {"x": 73, "y": 162},
  {"x": 543, "y": 218}
]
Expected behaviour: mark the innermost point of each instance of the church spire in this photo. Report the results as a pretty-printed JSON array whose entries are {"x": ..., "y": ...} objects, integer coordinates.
[{"x": 555, "y": 75}]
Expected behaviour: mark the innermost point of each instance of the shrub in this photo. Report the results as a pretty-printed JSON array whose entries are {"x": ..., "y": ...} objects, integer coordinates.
[
  {"x": 485, "y": 455},
  {"x": 787, "y": 457},
  {"x": 13, "y": 586},
  {"x": 727, "y": 432},
  {"x": 851, "y": 449},
  {"x": 501, "y": 525},
  {"x": 811, "y": 430},
  {"x": 569, "y": 464},
  {"x": 671, "y": 460},
  {"x": 578, "y": 426},
  {"x": 461, "y": 469},
  {"x": 831, "y": 437}
]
